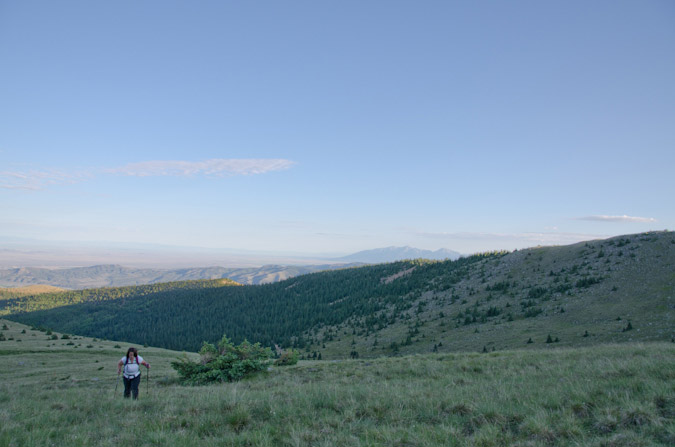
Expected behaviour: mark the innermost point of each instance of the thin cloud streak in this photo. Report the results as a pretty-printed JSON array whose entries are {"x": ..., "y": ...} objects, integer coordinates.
[
  {"x": 217, "y": 167},
  {"x": 528, "y": 238},
  {"x": 624, "y": 218},
  {"x": 38, "y": 180}
]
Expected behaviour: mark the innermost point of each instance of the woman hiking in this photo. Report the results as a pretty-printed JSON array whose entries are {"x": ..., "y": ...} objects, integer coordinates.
[{"x": 132, "y": 371}]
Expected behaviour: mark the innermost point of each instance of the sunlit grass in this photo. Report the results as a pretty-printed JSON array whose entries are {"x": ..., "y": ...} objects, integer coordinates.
[{"x": 614, "y": 395}]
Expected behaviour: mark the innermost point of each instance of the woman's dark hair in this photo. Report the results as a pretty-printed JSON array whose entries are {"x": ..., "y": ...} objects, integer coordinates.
[{"x": 135, "y": 351}]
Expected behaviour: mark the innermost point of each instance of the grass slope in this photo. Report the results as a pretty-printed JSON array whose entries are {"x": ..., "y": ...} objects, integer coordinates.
[
  {"x": 47, "y": 297},
  {"x": 17, "y": 292},
  {"x": 52, "y": 393},
  {"x": 581, "y": 295}
]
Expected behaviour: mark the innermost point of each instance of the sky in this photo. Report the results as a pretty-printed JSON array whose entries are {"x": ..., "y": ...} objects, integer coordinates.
[{"x": 313, "y": 128}]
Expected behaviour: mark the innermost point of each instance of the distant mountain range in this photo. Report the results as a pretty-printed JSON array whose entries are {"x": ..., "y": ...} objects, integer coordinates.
[
  {"x": 392, "y": 254},
  {"x": 119, "y": 276},
  {"x": 109, "y": 275}
]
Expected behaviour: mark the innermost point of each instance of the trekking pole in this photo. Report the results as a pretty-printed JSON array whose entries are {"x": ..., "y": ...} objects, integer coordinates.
[
  {"x": 117, "y": 382},
  {"x": 147, "y": 380}
]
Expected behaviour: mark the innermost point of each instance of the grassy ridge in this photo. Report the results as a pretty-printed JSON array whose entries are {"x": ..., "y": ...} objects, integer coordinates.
[{"x": 600, "y": 396}]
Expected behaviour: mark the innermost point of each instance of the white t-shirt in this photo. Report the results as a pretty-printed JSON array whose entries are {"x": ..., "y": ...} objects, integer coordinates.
[{"x": 132, "y": 369}]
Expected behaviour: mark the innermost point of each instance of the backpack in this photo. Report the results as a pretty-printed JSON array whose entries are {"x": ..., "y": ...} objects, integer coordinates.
[{"x": 126, "y": 360}]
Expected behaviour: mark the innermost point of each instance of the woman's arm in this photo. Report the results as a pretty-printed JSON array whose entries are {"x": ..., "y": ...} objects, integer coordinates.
[
  {"x": 119, "y": 366},
  {"x": 146, "y": 364}
]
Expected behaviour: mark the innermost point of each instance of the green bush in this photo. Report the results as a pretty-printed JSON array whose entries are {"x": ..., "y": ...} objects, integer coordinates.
[
  {"x": 226, "y": 363},
  {"x": 287, "y": 358}
]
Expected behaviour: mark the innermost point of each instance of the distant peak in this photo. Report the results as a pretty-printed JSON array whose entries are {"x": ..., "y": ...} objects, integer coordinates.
[{"x": 392, "y": 253}]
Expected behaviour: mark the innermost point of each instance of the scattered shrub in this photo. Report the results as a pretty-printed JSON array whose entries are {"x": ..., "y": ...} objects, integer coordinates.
[
  {"x": 587, "y": 282},
  {"x": 287, "y": 358},
  {"x": 226, "y": 363},
  {"x": 532, "y": 312}
]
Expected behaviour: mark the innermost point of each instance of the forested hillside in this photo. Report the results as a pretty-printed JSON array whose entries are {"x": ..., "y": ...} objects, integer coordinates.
[
  {"x": 276, "y": 313},
  {"x": 611, "y": 290}
]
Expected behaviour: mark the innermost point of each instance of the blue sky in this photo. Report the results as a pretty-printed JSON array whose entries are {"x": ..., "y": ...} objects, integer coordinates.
[{"x": 333, "y": 127}]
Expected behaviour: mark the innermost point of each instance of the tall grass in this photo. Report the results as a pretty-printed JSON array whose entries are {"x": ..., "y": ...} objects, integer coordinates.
[{"x": 614, "y": 395}]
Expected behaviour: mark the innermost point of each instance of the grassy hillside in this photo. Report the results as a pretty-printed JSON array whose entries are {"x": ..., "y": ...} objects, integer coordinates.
[
  {"x": 581, "y": 294},
  {"x": 53, "y": 393},
  {"x": 614, "y": 290},
  {"x": 47, "y": 297}
]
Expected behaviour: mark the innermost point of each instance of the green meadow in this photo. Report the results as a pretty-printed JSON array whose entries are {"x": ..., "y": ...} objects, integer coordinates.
[{"x": 57, "y": 391}]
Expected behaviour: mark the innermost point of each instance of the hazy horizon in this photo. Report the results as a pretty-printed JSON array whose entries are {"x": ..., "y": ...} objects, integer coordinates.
[{"x": 22, "y": 252}]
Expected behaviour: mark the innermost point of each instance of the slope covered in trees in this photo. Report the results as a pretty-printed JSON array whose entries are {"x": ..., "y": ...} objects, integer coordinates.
[{"x": 182, "y": 318}]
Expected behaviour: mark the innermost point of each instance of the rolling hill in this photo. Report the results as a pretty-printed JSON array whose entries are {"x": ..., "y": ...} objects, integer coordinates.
[
  {"x": 120, "y": 276},
  {"x": 112, "y": 275},
  {"x": 613, "y": 290}
]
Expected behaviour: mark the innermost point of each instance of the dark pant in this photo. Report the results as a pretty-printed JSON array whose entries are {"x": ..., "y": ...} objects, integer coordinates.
[{"x": 131, "y": 386}]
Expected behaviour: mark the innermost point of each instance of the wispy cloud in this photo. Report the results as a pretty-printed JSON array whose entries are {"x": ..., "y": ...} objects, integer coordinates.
[
  {"x": 624, "y": 218},
  {"x": 35, "y": 180},
  {"x": 553, "y": 238},
  {"x": 217, "y": 167}
]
